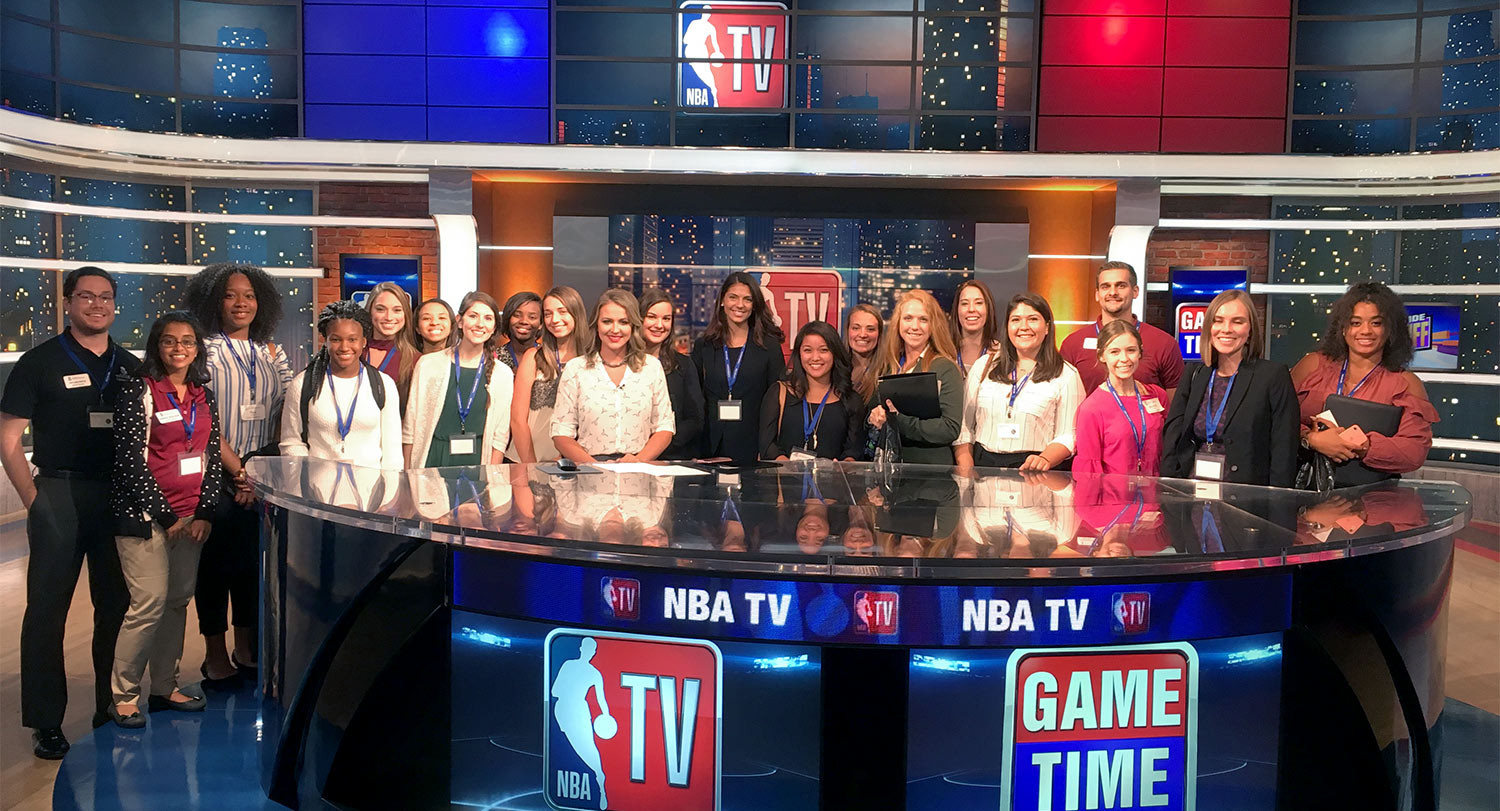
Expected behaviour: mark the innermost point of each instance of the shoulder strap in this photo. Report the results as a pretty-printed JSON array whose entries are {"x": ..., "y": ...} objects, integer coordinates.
[
  {"x": 307, "y": 396},
  {"x": 377, "y": 385},
  {"x": 781, "y": 400}
]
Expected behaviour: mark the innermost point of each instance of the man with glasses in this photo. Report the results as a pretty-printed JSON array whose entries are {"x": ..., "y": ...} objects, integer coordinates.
[{"x": 65, "y": 390}]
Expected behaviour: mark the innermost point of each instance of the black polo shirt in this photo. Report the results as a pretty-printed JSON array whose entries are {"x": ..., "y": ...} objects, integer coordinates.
[{"x": 38, "y": 390}]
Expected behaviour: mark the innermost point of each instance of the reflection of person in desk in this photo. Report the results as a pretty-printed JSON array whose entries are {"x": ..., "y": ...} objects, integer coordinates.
[
  {"x": 1377, "y": 511},
  {"x": 614, "y": 508},
  {"x": 341, "y": 484},
  {"x": 1364, "y": 354},
  {"x": 468, "y": 497},
  {"x": 1119, "y": 516},
  {"x": 1021, "y": 517},
  {"x": 575, "y": 678},
  {"x": 340, "y": 407}
]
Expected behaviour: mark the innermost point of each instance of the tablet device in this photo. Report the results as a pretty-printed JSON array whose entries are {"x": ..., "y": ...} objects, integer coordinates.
[
  {"x": 1370, "y": 416},
  {"x": 914, "y": 394}
]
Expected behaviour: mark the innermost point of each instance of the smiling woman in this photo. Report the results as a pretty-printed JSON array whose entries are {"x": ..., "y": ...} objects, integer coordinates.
[{"x": 459, "y": 412}]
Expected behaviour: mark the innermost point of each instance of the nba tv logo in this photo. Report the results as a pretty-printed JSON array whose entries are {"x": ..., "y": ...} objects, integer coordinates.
[
  {"x": 632, "y": 722},
  {"x": 728, "y": 50},
  {"x": 621, "y": 596},
  {"x": 877, "y": 612},
  {"x": 1130, "y": 612}
]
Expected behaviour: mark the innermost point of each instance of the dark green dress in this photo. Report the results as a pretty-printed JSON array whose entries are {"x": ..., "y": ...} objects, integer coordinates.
[{"x": 448, "y": 423}]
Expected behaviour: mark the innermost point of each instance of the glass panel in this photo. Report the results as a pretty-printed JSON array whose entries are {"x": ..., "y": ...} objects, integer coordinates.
[
  {"x": 262, "y": 245},
  {"x": 1352, "y": 137},
  {"x": 252, "y": 201},
  {"x": 239, "y": 119},
  {"x": 855, "y": 37},
  {"x": 1303, "y": 211},
  {"x": 856, "y": 87},
  {"x": 855, "y": 5},
  {"x": 1334, "y": 257},
  {"x": 138, "y": 19},
  {"x": 1356, "y": 7},
  {"x": 27, "y": 185},
  {"x": 972, "y": 87},
  {"x": 1364, "y": 92},
  {"x": 732, "y": 130},
  {"x": 1463, "y": 86},
  {"x": 26, "y": 233},
  {"x": 637, "y": 128},
  {"x": 90, "y": 192},
  {"x": 239, "y": 75},
  {"x": 41, "y": 9},
  {"x": 97, "y": 239},
  {"x": 627, "y": 3},
  {"x": 582, "y": 33},
  {"x": 118, "y": 108},
  {"x": 295, "y": 332},
  {"x": 1459, "y": 36},
  {"x": 1468, "y": 256},
  {"x": 1462, "y": 132},
  {"x": 1466, "y": 412},
  {"x": 143, "y": 297},
  {"x": 239, "y": 26},
  {"x": 977, "y": 39},
  {"x": 121, "y": 64},
  {"x": 1010, "y": 134},
  {"x": 24, "y": 46},
  {"x": 1365, "y": 42},
  {"x": 978, "y": 6},
  {"x": 614, "y": 83},
  {"x": 868, "y": 131},
  {"x": 28, "y": 308},
  {"x": 28, "y": 93}
]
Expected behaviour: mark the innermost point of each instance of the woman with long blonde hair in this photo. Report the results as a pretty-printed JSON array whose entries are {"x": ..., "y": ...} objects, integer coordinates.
[
  {"x": 917, "y": 339},
  {"x": 390, "y": 349},
  {"x": 564, "y": 337}
]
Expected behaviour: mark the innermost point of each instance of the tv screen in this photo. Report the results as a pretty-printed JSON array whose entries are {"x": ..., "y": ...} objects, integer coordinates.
[
  {"x": 1434, "y": 335},
  {"x": 360, "y": 273}
]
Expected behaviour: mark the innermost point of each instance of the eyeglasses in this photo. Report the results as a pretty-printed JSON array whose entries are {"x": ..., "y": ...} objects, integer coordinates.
[
  {"x": 173, "y": 343},
  {"x": 91, "y": 299}
]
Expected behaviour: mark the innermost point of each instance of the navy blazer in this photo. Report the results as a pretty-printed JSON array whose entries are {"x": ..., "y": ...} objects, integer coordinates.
[
  {"x": 1260, "y": 433},
  {"x": 761, "y": 368}
]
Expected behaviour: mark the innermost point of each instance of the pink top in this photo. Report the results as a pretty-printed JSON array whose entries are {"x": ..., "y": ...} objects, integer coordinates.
[
  {"x": 1105, "y": 441},
  {"x": 1402, "y": 453}
]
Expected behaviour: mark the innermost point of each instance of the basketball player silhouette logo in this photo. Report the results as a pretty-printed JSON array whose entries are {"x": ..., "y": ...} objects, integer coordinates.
[
  {"x": 570, "y": 689},
  {"x": 700, "y": 43}
]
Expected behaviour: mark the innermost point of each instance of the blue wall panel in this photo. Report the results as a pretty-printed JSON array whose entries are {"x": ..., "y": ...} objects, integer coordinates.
[
  {"x": 487, "y": 125},
  {"x": 365, "y": 122},
  {"x": 366, "y": 80},
  {"x": 363, "y": 30},
  {"x": 487, "y": 32},
  {"x": 455, "y": 82}
]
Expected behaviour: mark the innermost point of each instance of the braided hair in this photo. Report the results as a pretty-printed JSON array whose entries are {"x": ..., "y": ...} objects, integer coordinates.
[{"x": 312, "y": 382}]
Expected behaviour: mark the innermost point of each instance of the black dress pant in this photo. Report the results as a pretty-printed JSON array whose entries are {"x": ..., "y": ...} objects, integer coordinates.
[
  {"x": 229, "y": 570},
  {"x": 69, "y": 522}
]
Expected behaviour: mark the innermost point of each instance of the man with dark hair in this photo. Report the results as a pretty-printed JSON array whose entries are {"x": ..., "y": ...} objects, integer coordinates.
[
  {"x": 65, "y": 390},
  {"x": 1115, "y": 288}
]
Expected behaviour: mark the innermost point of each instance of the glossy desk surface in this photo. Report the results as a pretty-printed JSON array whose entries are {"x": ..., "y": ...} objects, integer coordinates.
[{"x": 852, "y": 520}]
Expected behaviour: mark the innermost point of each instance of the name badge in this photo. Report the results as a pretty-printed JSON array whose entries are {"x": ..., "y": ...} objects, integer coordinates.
[
  {"x": 168, "y": 415},
  {"x": 190, "y": 464},
  {"x": 1091, "y": 343},
  {"x": 77, "y": 381},
  {"x": 729, "y": 411},
  {"x": 462, "y": 444},
  {"x": 801, "y": 455},
  {"x": 1009, "y": 430},
  {"x": 101, "y": 419},
  {"x": 250, "y": 412},
  {"x": 1207, "y": 491},
  {"x": 723, "y": 479},
  {"x": 1209, "y": 463},
  {"x": 1153, "y": 406}
]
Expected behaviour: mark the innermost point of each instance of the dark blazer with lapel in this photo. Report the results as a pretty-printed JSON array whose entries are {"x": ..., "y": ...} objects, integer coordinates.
[
  {"x": 1259, "y": 434},
  {"x": 760, "y": 369}
]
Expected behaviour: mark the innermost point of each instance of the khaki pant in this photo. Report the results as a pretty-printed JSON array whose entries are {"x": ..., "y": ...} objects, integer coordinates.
[{"x": 161, "y": 574}]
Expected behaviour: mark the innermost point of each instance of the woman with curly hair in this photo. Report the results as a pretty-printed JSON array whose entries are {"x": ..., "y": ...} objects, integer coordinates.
[
  {"x": 342, "y": 408},
  {"x": 239, "y": 308},
  {"x": 459, "y": 412},
  {"x": 1364, "y": 354}
]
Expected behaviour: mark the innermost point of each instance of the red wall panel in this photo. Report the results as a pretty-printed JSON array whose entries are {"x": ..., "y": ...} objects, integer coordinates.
[
  {"x": 1228, "y": 42},
  {"x": 1103, "y": 40},
  {"x": 1081, "y": 134},
  {"x": 1223, "y": 135},
  {"x": 1229, "y": 8},
  {"x": 1154, "y": 8},
  {"x": 1245, "y": 92},
  {"x": 1100, "y": 91}
]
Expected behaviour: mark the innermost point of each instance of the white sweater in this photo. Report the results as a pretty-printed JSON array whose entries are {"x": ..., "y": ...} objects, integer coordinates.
[
  {"x": 424, "y": 404},
  {"x": 374, "y": 439}
]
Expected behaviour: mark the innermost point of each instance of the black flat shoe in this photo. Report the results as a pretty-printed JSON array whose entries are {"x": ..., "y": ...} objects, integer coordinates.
[
  {"x": 164, "y": 703},
  {"x": 132, "y": 721},
  {"x": 244, "y": 669},
  {"x": 230, "y": 682},
  {"x": 49, "y": 743}
]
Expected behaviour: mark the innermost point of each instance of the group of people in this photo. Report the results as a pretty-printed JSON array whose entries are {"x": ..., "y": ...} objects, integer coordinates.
[{"x": 140, "y": 464}]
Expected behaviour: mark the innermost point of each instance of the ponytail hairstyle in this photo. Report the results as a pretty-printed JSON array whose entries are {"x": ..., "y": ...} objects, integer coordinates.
[
  {"x": 635, "y": 348},
  {"x": 409, "y": 350},
  {"x": 152, "y": 366},
  {"x": 317, "y": 370},
  {"x": 666, "y": 354},
  {"x": 838, "y": 377},
  {"x": 763, "y": 331},
  {"x": 1003, "y": 359},
  {"x": 580, "y": 341},
  {"x": 939, "y": 338},
  {"x": 491, "y": 344}
]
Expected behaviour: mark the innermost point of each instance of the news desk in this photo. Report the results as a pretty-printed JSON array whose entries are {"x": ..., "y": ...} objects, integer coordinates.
[{"x": 840, "y": 637}]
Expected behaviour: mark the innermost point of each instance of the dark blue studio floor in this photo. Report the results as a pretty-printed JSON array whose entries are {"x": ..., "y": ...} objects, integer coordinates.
[{"x": 209, "y": 760}]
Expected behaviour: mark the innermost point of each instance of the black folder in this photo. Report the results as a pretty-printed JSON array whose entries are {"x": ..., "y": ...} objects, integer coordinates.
[
  {"x": 915, "y": 394},
  {"x": 1370, "y": 416}
]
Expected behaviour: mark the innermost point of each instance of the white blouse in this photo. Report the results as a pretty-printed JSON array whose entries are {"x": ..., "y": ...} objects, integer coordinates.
[
  {"x": 1044, "y": 412},
  {"x": 374, "y": 438},
  {"x": 612, "y": 419}
]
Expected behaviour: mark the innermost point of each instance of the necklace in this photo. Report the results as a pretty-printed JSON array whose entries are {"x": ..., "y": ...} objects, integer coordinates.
[{"x": 622, "y": 362}]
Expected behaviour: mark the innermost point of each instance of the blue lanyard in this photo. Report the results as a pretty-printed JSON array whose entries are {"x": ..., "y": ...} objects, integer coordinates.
[
  {"x": 1208, "y": 522},
  {"x": 810, "y": 421},
  {"x": 109, "y": 373},
  {"x": 901, "y": 362},
  {"x": 192, "y": 416},
  {"x": 247, "y": 368},
  {"x": 732, "y": 375},
  {"x": 1344, "y": 371},
  {"x": 1139, "y": 437},
  {"x": 385, "y": 361},
  {"x": 810, "y": 487},
  {"x": 1015, "y": 391},
  {"x": 1213, "y": 416},
  {"x": 463, "y": 407},
  {"x": 1137, "y": 501},
  {"x": 344, "y": 425},
  {"x": 463, "y": 479},
  {"x": 729, "y": 507}
]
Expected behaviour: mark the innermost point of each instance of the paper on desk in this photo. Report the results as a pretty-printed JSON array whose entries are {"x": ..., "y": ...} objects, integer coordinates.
[{"x": 650, "y": 469}]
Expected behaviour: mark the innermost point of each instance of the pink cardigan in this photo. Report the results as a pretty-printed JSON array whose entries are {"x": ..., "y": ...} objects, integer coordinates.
[{"x": 1105, "y": 443}]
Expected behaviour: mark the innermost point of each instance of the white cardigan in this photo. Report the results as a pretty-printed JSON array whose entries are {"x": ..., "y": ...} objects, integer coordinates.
[{"x": 424, "y": 404}]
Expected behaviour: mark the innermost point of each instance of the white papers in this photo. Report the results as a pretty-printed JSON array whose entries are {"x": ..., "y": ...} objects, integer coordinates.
[{"x": 650, "y": 469}]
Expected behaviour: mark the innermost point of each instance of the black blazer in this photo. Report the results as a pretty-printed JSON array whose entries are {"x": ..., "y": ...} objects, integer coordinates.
[
  {"x": 761, "y": 368},
  {"x": 685, "y": 390},
  {"x": 1259, "y": 434},
  {"x": 840, "y": 434}
]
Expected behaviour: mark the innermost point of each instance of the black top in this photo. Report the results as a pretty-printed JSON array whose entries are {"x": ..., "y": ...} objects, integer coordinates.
[
  {"x": 1258, "y": 431},
  {"x": 760, "y": 369},
  {"x": 840, "y": 433},
  {"x": 37, "y": 391},
  {"x": 686, "y": 393}
]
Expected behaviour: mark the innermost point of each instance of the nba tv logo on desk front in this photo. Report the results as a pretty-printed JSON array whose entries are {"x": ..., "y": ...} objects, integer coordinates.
[
  {"x": 729, "y": 51},
  {"x": 632, "y": 722}
]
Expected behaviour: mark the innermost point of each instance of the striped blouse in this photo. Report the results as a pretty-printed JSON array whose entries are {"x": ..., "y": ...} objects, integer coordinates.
[{"x": 232, "y": 387}]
